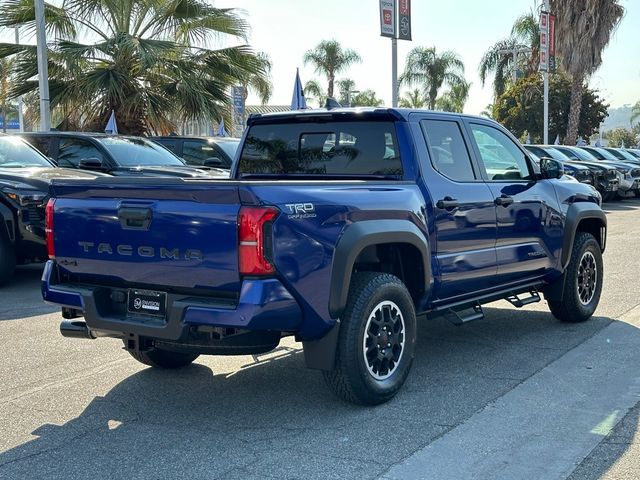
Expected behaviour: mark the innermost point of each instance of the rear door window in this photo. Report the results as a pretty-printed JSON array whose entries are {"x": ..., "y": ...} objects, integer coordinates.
[
  {"x": 332, "y": 148},
  {"x": 72, "y": 150},
  {"x": 449, "y": 154},
  {"x": 195, "y": 152}
]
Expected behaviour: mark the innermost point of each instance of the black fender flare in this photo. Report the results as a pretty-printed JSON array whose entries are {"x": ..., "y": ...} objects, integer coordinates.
[
  {"x": 8, "y": 226},
  {"x": 356, "y": 238},
  {"x": 576, "y": 213}
]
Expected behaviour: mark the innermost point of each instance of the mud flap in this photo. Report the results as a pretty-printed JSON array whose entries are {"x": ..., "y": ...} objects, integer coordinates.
[{"x": 321, "y": 354}]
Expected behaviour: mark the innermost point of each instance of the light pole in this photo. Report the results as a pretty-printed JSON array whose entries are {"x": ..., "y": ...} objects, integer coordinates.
[
  {"x": 20, "y": 116},
  {"x": 347, "y": 95},
  {"x": 43, "y": 71},
  {"x": 394, "y": 72},
  {"x": 514, "y": 52},
  {"x": 545, "y": 80}
]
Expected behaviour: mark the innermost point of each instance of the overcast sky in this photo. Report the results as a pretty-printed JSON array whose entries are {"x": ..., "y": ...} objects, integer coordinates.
[{"x": 285, "y": 29}]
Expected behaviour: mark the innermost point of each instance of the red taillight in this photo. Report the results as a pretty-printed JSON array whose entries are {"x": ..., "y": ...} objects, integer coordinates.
[
  {"x": 254, "y": 243},
  {"x": 48, "y": 227}
]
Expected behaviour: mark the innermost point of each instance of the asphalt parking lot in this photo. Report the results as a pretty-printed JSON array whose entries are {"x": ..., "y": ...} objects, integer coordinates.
[{"x": 470, "y": 409}]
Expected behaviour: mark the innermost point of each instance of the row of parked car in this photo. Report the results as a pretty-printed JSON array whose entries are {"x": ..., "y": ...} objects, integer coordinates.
[
  {"x": 614, "y": 172},
  {"x": 29, "y": 161}
]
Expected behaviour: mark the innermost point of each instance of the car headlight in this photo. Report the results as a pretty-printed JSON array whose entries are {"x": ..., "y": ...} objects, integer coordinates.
[{"x": 23, "y": 197}]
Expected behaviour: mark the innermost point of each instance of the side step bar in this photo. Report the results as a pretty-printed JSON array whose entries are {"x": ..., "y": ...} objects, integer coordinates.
[
  {"x": 475, "y": 312},
  {"x": 460, "y": 318},
  {"x": 518, "y": 302}
]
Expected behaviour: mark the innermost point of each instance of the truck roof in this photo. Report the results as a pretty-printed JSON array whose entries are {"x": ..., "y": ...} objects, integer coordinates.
[{"x": 397, "y": 114}]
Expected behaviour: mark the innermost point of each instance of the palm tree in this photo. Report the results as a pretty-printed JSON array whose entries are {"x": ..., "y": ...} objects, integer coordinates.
[
  {"x": 6, "y": 67},
  {"x": 260, "y": 82},
  {"x": 583, "y": 29},
  {"x": 150, "y": 61},
  {"x": 313, "y": 91},
  {"x": 329, "y": 59},
  {"x": 635, "y": 112},
  {"x": 488, "y": 111},
  {"x": 454, "y": 99},
  {"x": 525, "y": 35},
  {"x": 366, "y": 98},
  {"x": 413, "y": 99},
  {"x": 430, "y": 70}
]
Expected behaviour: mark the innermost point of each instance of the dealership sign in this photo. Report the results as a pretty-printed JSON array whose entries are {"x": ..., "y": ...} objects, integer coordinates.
[
  {"x": 547, "y": 42},
  {"x": 395, "y": 19}
]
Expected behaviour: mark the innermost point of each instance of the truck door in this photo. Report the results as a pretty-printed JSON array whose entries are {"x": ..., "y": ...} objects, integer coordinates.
[
  {"x": 529, "y": 224},
  {"x": 463, "y": 211}
]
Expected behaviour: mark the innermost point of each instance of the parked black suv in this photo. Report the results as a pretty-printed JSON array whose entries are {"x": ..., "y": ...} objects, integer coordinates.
[
  {"x": 24, "y": 188},
  {"x": 206, "y": 151},
  {"x": 113, "y": 154}
]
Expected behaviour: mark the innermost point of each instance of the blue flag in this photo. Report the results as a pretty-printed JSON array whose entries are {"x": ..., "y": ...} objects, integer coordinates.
[
  {"x": 112, "y": 126},
  {"x": 557, "y": 140},
  {"x": 298, "y": 101},
  {"x": 598, "y": 143},
  {"x": 221, "y": 131},
  {"x": 581, "y": 142},
  {"x": 528, "y": 139}
]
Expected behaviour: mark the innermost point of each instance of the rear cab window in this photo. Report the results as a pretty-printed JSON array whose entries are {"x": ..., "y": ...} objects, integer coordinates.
[{"x": 340, "y": 148}]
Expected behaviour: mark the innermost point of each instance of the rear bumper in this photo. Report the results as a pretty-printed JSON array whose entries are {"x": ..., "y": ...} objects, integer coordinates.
[{"x": 264, "y": 304}]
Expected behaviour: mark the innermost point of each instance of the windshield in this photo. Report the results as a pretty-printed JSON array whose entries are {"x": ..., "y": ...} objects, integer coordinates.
[
  {"x": 229, "y": 147},
  {"x": 578, "y": 153},
  {"x": 557, "y": 154},
  {"x": 134, "y": 152},
  {"x": 16, "y": 153}
]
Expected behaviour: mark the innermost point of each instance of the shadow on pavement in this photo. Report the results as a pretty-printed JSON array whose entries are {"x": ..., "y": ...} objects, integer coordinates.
[
  {"x": 21, "y": 297},
  {"x": 601, "y": 460},
  {"x": 274, "y": 418}
]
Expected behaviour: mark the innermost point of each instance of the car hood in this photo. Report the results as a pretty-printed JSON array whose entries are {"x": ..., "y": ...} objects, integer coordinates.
[{"x": 40, "y": 177}]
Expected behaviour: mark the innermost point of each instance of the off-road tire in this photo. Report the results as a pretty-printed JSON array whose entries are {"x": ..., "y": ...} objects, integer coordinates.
[
  {"x": 586, "y": 250},
  {"x": 7, "y": 260},
  {"x": 157, "y": 358},
  {"x": 370, "y": 294}
]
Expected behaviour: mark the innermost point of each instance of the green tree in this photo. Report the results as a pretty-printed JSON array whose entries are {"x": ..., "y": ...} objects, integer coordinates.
[
  {"x": 428, "y": 69},
  {"x": 413, "y": 99},
  {"x": 525, "y": 34},
  {"x": 150, "y": 61},
  {"x": 455, "y": 98},
  {"x": 635, "y": 112},
  {"x": 619, "y": 136},
  {"x": 6, "y": 69},
  {"x": 583, "y": 29},
  {"x": 520, "y": 108},
  {"x": 313, "y": 91},
  {"x": 366, "y": 98},
  {"x": 330, "y": 59}
]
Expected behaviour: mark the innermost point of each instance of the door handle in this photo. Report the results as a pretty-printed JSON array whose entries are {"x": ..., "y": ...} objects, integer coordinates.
[
  {"x": 503, "y": 200},
  {"x": 447, "y": 203},
  {"x": 134, "y": 218}
]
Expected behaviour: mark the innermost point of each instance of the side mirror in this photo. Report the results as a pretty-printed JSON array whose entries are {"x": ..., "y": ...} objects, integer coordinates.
[
  {"x": 91, "y": 163},
  {"x": 551, "y": 168},
  {"x": 212, "y": 162}
]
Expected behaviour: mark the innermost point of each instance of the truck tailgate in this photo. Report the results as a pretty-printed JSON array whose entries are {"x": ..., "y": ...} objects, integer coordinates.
[{"x": 178, "y": 235}]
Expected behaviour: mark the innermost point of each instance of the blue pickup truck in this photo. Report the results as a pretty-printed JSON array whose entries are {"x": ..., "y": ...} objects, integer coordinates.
[{"x": 338, "y": 227}]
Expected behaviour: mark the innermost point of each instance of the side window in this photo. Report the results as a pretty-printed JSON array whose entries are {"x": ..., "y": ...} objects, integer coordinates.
[
  {"x": 169, "y": 144},
  {"x": 72, "y": 150},
  {"x": 41, "y": 143},
  {"x": 449, "y": 154},
  {"x": 502, "y": 158},
  {"x": 196, "y": 152}
]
